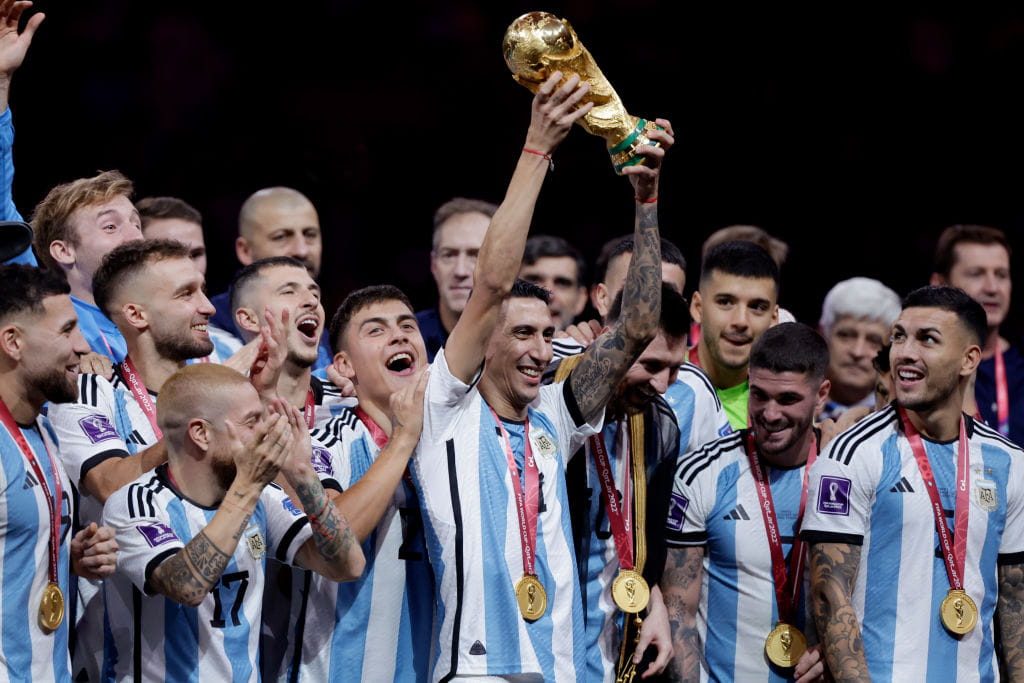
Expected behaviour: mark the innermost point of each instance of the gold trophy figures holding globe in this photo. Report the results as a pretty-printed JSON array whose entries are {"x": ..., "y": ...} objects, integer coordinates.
[{"x": 537, "y": 44}]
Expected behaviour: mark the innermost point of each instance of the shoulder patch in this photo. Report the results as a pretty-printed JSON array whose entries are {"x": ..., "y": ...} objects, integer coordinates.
[
  {"x": 321, "y": 460},
  {"x": 97, "y": 427},
  {"x": 156, "y": 533},
  {"x": 677, "y": 512}
]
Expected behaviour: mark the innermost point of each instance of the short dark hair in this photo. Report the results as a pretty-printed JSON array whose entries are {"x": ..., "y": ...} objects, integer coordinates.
[
  {"x": 881, "y": 360},
  {"x": 23, "y": 288},
  {"x": 624, "y": 245},
  {"x": 550, "y": 246},
  {"x": 357, "y": 301},
  {"x": 945, "y": 249},
  {"x": 675, "y": 312},
  {"x": 247, "y": 275},
  {"x": 166, "y": 207},
  {"x": 523, "y": 289},
  {"x": 458, "y": 205},
  {"x": 970, "y": 313},
  {"x": 742, "y": 259},
  {"x": 791, "y": 347},
  {"x": 126, "y": 260}
]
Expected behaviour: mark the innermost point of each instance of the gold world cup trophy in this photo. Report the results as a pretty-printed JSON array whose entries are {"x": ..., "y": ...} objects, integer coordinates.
[{"x": 538, "y": 44}]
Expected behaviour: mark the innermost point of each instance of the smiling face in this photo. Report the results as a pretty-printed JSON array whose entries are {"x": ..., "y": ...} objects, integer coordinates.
[
  {"x": 652, "y": 373},
  {"x": 930, "y": 356},
  {"x": 53, "y": 345},
  {"x": 289, "y": 227},
  {"x": 292, "y": 289},
  {"x": 983, "y": 271},
  {"x": 782, "y": 409},
  {"x": 98, "y": 228},
  {"x": 382, "y": 349},
  {"x": 733, "y": 312},
  {"x": 169, "y": 294},
  {"x": 852, "y": 344},
  {"x": 519, "y": 350}
]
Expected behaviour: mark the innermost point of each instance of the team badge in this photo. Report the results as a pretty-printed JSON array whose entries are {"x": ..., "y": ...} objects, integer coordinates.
[
  {"x": 256, "y": 543},
  {"x": 985, "y": 495},
  {"x": 543, "y": 442}
]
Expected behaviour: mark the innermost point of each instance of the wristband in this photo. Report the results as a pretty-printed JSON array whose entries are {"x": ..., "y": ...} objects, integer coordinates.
[
  {"x": 646, "y": 201},
  {"x": 551, "y": 163}
]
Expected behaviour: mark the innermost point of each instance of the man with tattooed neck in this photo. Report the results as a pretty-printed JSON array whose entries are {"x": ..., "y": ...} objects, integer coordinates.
[
  {"x": 490, "y": 466},
  {"x": 734, "y": 513},
  {"x": 915, "y": 518},
  {"x": 195, "y": 533}
]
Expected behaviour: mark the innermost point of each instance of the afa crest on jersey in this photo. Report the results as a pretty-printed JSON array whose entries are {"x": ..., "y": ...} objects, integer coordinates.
[{"x": 256, "y": 543}]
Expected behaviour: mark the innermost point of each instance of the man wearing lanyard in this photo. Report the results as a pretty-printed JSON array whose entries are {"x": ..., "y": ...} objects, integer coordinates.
[
  {"x": 915, "y": 517},
  {"x": 609, "y": 501},
  {"x": 195, "y": 533},
  {"x": 734, "y": 513},
  {"x": 379, "y": 626},
  {"x": 40, "y": 346},
  {"x": 490, "y": 464},
  {"x": 734, "y": 304},
  {"x": 976, "y": 259},
  {"x": 109, "y": 436}
]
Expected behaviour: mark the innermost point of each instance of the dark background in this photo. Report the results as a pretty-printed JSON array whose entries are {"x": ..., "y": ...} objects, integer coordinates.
[{"x": 856, "y": 136}]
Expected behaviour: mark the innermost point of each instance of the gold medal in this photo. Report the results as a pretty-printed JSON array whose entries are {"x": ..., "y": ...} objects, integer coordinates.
[
  {"x": 51, "y": 608},
  {"x": 958, "y": 611},
  {"x": 785, "y": 645},
  {"x": 630, "y": 591},
  {"x": 532, "y": 599}
]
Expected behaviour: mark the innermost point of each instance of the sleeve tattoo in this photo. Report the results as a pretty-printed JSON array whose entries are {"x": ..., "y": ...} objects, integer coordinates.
[
  {"x": 188, "y": 575},
  {"x": 331, "y": 533},
  {"x": 680, "y": 584},
  {"x": 833, "y": 572},
  {"x": 1011, "y": 618},
  {"x": 607, "y": 360}
]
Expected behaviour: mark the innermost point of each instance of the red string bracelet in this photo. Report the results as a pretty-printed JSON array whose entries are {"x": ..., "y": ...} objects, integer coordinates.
[
  {"x": 646, "y": 201},
  {"x": 551, "y": 163}
]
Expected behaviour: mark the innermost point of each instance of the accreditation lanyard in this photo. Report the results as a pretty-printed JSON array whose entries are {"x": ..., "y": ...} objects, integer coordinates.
[
  {"x": 53, "y": 502},
  {"x": 620, "y": 514},
  {"x": 787, "y": 586},
  {"x": 1002, "y": 395},
  {"x": 954, "y": 550},
  {"x": 379, "y": 437},
  {"x": 138, "y": 389},
  {"x": 309, "y": 411},
  {"x": 526, "y": 501}
]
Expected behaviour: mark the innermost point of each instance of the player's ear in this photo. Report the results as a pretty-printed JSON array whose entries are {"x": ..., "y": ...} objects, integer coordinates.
[
  {"x": 696, "y": 307},
  {"x": 199, "y": 433}
]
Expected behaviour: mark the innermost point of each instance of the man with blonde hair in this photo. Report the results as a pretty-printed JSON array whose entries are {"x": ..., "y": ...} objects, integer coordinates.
[
  {"x": 195, "y": 534},
  {"x": 76, "y": 225},
  {"x": 855, "y": 321}
]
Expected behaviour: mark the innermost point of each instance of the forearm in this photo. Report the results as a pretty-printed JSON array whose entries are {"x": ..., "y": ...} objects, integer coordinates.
[
  {"x": 188, "y": 576},
  {"x": 833, "y": 571},
  {"x": 364, "y": 503},
  {"x": 110, "y": 475},
  {"x": 1010, "y": 609},
  {"x": 641, "y": 293},
  {"x": 680, "y": 588},
  {"x": 336, "y": 552}
]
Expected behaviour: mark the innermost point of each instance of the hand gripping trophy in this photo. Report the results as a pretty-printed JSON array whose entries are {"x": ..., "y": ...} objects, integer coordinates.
[{"x": 537, "y": 44}]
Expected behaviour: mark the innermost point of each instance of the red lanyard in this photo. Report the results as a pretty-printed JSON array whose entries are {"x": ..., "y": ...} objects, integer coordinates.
[
  {"x": 376, "y": 433},
  {"x": 954, "y": 550},
  {"x": 526, "y": 503},
  {"x": 53, "y": 502},
  {"x": 1002, "y": 394},
  {"x": 138, "y": 389},
  {"x": 620, "y": 515},
  {"x": 787, "y": 587},
  {"x": 310, "y": 410}
]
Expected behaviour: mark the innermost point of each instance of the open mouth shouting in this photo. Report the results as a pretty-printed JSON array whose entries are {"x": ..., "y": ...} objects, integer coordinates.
[
  {"x": 309, "y": 327},
  {"x": 401, "y": 364}
]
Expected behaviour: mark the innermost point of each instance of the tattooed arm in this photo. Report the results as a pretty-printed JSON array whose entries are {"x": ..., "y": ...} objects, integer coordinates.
[
  {"x": 333, "y": 551},
  {"x": 608, "y": 359},
  {"x": 680, "y": 587},
  {"x": 189, "y": 575},
  {"x": 833, "y": 572},
  {"x": 1010, "y": 611}
]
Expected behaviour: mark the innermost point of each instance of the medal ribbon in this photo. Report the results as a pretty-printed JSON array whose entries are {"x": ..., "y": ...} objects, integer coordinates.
[
  {"x": 379, "y": 437},
  {"x": 53, "y": 502},
  {"x": 1002, "y": 395},
  {"x": 309, "y": 411},
  {"x": 954, "y": 550},
  {"x": 787, "y": 586},
  {"x": 526, "y": 503},
  {"x": 138, "y": 389},
  {"x": 620, "y": 517}
]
